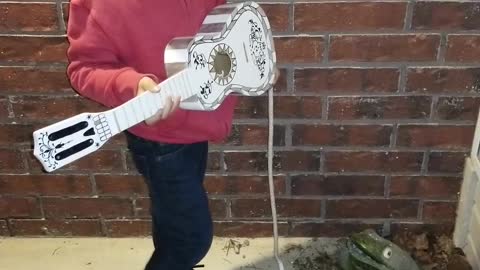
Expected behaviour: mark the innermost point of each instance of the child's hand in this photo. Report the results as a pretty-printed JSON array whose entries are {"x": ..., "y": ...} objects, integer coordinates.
[{"x": 171, "y": 104}]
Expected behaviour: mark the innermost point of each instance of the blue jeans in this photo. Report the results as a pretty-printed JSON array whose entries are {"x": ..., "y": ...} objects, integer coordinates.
[{"x": 181, "y": 221}]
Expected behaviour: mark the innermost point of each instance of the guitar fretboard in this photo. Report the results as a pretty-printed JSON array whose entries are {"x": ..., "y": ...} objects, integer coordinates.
[{"x": 146, "y": 105}]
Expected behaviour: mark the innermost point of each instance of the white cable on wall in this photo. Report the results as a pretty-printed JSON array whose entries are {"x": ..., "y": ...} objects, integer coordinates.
[{"x": 270, "y": 179}]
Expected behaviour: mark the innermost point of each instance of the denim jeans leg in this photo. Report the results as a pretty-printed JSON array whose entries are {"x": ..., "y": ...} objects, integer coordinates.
[{"x": 182, "y": 226}]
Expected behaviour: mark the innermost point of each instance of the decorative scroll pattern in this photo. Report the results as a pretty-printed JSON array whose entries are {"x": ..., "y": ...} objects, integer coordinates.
[{"x": 48, "y": 150}]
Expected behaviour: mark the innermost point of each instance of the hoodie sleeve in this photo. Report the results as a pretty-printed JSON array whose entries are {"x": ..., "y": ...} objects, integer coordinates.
[{"x": 95, "y": 69}]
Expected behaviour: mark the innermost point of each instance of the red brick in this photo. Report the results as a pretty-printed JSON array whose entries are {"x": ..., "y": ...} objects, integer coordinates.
[
  {"x": 245, "y": 161},
  {"x": 15, "y": 133},
  {"x": 28, "y": 17},
  {"x": 277, "y": 16},
  {"x": 285, "y": 208},
  {"x": 362, "y": 16},
  {"x": 373, "y": 161},
  {"x": 4, "y": 114},
  {"x": 346, "y": 80},
  {"x": 336, "y": 135},
  {"x": 55, "y": 228},
  {"x": 110, "y": 184},
  {"x": 401, "y": 107},
  {"x": 298, "y": 49},
  {"x": 457, "y": 108},
  {"x": 255, "y": 135},
  {"x": 447, "y": 162},
  {"x": 372, "y": 208},
  {"x": 296, "y": 160},
  {"x": 218, "y": 208},
  {"x": 463, "y": 48},
  {"x": 33, "y": 80},
  {"x": 47, "y": 185},
  {"x": 11, "y": 161},
  {"x": 87, "y": 207},
  {"x": 443, "y": 80},
  {"x": 243, "y": 185},
  {"x": 214, "y": 162},
  {"x": 439, "y": 211},
  {"x": 128, "y": 228},
  {"x": 329, "y": 229},
  {"x": 297, "y": 107},
  {"x": 446, "y": 137},
  {"x": 60, "y": 108},
  {"x": 341, "y": 185},
  {"x": 19, "y": 207},
  {"x": 384, "y": 48},
  {"x": 100, "y": 161},
  {"x": 425, "y": 186},
  {"x": 446, "y": 15},
  {"x": 37, "y": 49},
  {"x": 251, "y": 107},
  {"x": 142, "y": 208},
  {"x": 284, "y": 107},
  {"x": 247, "y": 229}
]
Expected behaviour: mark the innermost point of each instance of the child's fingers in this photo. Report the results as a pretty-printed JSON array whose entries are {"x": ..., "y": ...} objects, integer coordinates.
[
  {"x": 167, "y": 107},
  {"x": 176, "y": 103}
]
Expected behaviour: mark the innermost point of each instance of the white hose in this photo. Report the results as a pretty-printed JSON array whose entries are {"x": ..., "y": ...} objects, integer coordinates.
[{"x": 270, "y": 179}]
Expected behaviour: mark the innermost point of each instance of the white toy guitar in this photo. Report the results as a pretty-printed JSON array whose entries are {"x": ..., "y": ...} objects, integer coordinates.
[{"x": 232, "y": 53}]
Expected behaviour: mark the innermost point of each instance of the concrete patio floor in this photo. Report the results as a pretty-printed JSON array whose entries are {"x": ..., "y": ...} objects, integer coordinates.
[{"x": 132, "y": 253}]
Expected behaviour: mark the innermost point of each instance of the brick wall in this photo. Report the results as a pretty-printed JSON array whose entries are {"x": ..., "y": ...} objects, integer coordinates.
[{"x": 374, "y": 114}]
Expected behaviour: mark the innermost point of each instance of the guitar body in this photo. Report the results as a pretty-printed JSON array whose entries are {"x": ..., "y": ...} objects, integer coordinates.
[{"x": 233, "y": 53}]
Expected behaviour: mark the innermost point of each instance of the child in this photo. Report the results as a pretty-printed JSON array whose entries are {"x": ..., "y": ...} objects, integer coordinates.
[{"x": 116, "y": 52}]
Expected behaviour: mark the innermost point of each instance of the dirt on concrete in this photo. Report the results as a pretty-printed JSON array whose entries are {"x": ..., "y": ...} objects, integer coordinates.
[{"x": 430, "y": 251}]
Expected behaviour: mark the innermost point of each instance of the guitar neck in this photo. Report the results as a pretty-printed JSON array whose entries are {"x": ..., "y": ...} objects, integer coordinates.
[{"x": 147, "y": 104}]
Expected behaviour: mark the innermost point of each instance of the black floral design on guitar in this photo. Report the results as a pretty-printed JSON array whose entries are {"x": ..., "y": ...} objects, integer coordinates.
[
  {"x": 257, "y": 47},
  {"x": 48, "y": 150},
  {"x": 206, "y": 89},
  {"x": 199, "y": 60}
]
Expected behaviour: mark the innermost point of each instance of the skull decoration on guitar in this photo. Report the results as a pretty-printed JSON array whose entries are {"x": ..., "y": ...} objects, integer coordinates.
[{"x": 233, "y": 53}]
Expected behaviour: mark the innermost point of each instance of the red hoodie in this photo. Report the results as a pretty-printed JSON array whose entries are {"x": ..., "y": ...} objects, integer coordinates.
[{"x": 114, "y": 43}]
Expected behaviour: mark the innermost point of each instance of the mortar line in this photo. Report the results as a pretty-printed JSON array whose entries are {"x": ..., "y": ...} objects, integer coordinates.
[
  {"x": 426, "y": 160},
  {"x": 387, "y": 184},
  {"x": 420, "y": 210},
  {"x": 60, "y": 15},
  {"x": 409, "y": 17},
  {"x": 402, "y": 81},
  {"x": 288, "y": 135},
  {"x": 433, "y": 105},
  {"x": 291, "y": 80},
  {"x": 291, "y": 17},
  {"x": 442, "y": 49},
  {"x": 394, "y": 136},
  {"x": 325, "y": 107},
  {"x": 288, "y": 185}
]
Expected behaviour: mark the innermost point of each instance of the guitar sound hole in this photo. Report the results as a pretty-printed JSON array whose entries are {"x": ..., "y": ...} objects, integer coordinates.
[{"x": 222, "y": 64}]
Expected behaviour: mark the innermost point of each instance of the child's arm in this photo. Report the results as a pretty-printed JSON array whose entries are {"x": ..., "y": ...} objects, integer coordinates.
[{"x": 95, "y": 69}]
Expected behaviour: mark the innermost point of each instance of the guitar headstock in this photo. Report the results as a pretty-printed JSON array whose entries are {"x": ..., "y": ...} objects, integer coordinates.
[{"x": 68, "y": 140}]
